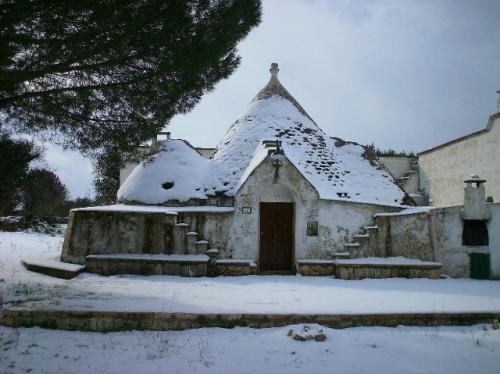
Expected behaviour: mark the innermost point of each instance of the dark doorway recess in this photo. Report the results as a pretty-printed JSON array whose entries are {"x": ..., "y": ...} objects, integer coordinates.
[
  {"x": 475, "y": 232},
  {"x": 276, "y": 237}
]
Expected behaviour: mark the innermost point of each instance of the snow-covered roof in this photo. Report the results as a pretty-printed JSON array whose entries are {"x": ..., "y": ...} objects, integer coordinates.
[
  {"x": 338, "y": 170},
  {"x": 176, "y": 172}
]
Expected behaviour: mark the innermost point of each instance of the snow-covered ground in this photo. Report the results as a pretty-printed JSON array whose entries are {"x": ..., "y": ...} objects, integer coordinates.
[
  {"x": 250, "y": 294},
  {"x": 242, "y": 350}
]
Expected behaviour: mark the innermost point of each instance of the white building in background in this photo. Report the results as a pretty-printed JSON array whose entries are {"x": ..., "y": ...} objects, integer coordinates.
[{"x": 442, "y": 168}]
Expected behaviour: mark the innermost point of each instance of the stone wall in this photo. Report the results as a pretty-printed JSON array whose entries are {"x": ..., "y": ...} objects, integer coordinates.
[
  {"x": 106, "y": 232},
  {"x": 404, "y": 235},
  {"x": 437, "y": 236},
  {"x": 210, "y": 226},
  {"x": 338, "y": 222}
]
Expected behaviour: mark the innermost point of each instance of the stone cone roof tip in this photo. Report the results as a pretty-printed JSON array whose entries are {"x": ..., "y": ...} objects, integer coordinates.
[{"x": 275, "y": 88}]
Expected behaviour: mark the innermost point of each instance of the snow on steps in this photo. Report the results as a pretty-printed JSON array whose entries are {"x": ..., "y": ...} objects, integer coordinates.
[{"x": 53, "y": 268}]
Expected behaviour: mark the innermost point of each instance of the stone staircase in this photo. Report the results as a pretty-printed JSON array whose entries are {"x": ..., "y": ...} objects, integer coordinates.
[
  {"x": 364, "y": 243},
  {"x": 369, "y": 258},
  {"x": 187, "y": 242}
]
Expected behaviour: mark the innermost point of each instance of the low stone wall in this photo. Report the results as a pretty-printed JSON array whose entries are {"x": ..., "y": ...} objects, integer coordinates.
[
  {"x": 120, "y": 321},
  {"x": 315, "y": 268},
  {"x": 143, "y": 266},
  {"x": 361, "y": 271},
  {"x": 105, "y": 232},
  {"x": 232, "y": 268}
]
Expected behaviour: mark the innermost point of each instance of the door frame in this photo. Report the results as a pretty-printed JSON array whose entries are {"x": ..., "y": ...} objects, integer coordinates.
[{"x": 292, "y": 269}]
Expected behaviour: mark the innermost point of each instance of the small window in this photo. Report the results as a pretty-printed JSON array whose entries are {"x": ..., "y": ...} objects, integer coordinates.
[
  {"x": 474, "y": 233},
  {"x": 167, "y": 185}
]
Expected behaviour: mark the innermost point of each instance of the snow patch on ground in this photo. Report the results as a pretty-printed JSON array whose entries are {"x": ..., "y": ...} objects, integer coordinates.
[
  {"x": 247, "y": 294},
  {"x": 243, "y": 350},
  {"x": 429, "y": 350}
]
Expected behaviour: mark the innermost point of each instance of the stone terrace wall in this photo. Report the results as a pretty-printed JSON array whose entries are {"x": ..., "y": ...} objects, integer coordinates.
[
  {"x": 437, "y": 236},
  {"x": 405, "y": 235},
  {"x": 105, "y": 232}
]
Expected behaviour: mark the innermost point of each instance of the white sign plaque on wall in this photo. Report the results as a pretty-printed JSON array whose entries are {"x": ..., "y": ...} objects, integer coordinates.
[{"x": 246, "y": 210}]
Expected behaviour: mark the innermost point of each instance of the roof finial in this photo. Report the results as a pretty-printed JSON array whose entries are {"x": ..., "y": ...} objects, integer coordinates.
[{"x": 274, "y": 70}]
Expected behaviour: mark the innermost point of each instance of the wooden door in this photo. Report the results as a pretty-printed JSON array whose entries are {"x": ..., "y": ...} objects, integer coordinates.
[{"x": 276, "y": 236}]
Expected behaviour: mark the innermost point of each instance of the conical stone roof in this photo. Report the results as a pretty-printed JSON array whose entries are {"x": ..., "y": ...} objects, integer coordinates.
[{"x": 338, "y": 170}]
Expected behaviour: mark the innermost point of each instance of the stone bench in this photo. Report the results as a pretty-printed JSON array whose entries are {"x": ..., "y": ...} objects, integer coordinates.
[
  {"x": 143, "y": 264},
  {"x": 53, "y": 268},
  {"x": 317, "y": 267},
  {"x": 233, "y": 267},
  {"x": 390, "y": 267}
]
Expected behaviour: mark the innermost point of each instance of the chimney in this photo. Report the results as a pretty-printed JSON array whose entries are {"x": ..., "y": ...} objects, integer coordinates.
[
  {"x": 498, "y": 101},
  {"x": 475, "y": 207}
]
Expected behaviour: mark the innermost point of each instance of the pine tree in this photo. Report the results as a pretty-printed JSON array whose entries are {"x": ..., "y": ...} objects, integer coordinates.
[
  {"x": 44, "y": 194},
  {"x": 107, "y": 175},
  {"x": 113, "y": 71},
  {"x": 15, "y": 158}
]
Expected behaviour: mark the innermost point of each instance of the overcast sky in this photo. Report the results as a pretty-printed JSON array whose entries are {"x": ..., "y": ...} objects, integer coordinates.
[{"x": 400, "y": 74}]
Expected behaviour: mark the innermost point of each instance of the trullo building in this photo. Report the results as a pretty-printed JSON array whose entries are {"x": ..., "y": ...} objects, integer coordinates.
[{"x": 277, "y": 194}]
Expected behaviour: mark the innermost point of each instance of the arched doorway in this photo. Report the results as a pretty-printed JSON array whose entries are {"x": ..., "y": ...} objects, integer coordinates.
[{"x": 276, "y": 230}]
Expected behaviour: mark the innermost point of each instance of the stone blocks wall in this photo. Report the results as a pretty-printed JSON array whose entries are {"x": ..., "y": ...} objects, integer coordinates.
[
  {"x": 404, "y": 235},
  {"x": 106, "y": 232},
  {"x": 362, "y": 271},
  {"x": 144, "y": 266}
]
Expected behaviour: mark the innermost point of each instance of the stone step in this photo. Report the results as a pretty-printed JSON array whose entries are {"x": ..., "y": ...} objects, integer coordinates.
[
  {"x": 315, "y": 267},
  {"x": 233, "y": 266},
  {"x": 352, "y": 244},
  {"x": 341, "y": 255},
  {"x": 191, "y": 239},
  {"x": 370, "y": 227},
  {"x": 53, "y": 268},
  {"x": 180, "y": 238},
  {"x": 380, "y": 267},
  {"x": 361, "y": 236},
  {"x": 201, "y": 246},
  {"x": 145, "y": 264}
]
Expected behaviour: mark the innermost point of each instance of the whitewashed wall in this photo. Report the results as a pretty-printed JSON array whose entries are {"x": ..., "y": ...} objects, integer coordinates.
[
  {"x": 443, "y": 170},
  {"x": 337, "y": 221}
]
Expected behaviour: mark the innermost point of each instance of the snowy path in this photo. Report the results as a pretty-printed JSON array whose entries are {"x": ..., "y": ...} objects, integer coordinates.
[
  {"x": 429, "y": 350},
  {"x": 242, "y": 350},
  {"x": 251, "y": 294}
]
